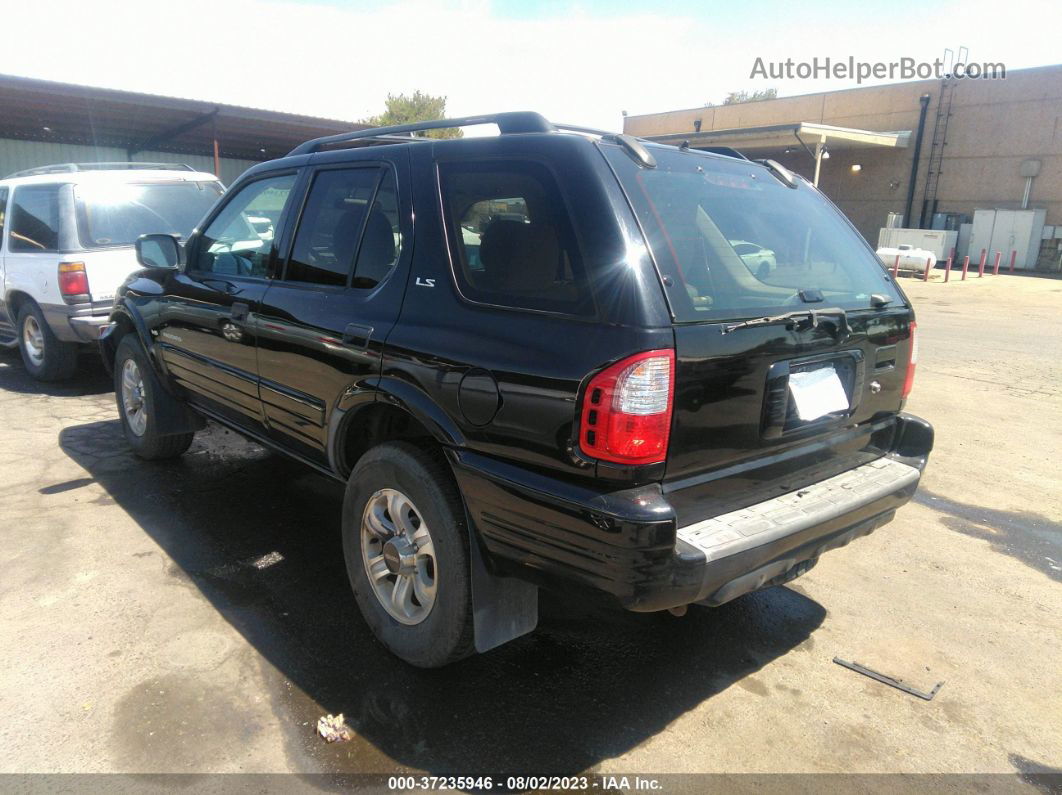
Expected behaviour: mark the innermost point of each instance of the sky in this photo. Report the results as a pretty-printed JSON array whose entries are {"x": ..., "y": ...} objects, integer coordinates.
[{"x": 581, "y": 62}]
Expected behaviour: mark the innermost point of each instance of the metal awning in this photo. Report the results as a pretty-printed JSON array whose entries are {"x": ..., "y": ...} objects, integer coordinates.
[
  {"x": 42, "y": 110},
  {"x": 779, "y": 136},
  {"x": 814, "y": 138}
]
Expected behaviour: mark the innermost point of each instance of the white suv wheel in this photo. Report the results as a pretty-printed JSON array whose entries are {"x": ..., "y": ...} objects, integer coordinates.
[{"x": 33, "y": 339}]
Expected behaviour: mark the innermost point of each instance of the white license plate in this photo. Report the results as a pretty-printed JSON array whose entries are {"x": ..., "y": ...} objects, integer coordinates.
[{"x": 817, "y": 393}]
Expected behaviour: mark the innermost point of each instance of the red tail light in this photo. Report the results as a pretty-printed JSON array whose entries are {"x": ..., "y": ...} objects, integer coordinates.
[
  {"x": 908, "y": 381},
  {"x": 73, "y": 281},
  {"x": 626, "y": 413}
]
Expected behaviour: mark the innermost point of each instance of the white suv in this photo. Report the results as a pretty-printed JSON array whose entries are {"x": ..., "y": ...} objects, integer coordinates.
[{"x": 67, "y": 235}]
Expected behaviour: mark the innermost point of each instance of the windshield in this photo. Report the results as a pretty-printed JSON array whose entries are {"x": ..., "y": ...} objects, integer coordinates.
[
  {"x": 117, "y": 214},
  {"x": 732, "y": 241}
]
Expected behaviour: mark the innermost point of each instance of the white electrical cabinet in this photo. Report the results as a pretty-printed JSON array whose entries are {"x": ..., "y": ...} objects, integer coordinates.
[{"x": 1006, "y": 231}]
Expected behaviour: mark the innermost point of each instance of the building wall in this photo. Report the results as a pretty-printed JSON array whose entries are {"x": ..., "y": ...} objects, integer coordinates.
[
  {"x": 17, "y": 155},
  {"x": 994, "y": 126}
]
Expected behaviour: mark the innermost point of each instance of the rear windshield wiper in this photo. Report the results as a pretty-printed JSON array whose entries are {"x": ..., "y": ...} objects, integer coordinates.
[{"x": 836, "y": 317}]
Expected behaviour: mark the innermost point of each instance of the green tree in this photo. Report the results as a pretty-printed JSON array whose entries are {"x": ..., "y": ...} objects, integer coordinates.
[
  {"x": 407, "y": 109},
  {"x": 737, "y": 97}
]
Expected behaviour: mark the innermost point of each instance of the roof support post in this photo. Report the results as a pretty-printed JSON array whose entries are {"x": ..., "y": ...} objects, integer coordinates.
[
  {"x": 217, "y": 156},
  {"x": 819, "y": 148}
]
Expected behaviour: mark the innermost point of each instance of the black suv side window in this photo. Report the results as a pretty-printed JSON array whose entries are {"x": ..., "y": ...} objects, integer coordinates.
[
  {"x": 332, "y": 224},
  {"x": 512, "y": 239},
  {"x": 239, "y": 241},
  {"x": 35, "y": 219}
]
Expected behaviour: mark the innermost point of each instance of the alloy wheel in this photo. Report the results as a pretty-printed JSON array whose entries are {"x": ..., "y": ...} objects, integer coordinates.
[
  {"x": 399, "y": 556},
  {"x": 133, "y": 397},
  {"x": 33, "y": 340}
]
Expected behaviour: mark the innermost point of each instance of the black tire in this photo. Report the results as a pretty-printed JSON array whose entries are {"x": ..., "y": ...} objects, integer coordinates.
[
  {"x": 149, "y": 444},
  {"x": 56, "y": 360},
  {"x": 445, "y": 635}
]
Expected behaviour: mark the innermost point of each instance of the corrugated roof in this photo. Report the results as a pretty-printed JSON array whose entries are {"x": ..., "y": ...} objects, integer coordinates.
[{"x": 43, "y": 110}]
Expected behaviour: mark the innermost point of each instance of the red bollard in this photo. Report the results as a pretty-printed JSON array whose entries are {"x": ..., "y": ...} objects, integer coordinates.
[
  {"x": 896, "y": 267},
  {"x": 981, "y": 265},
  {"x": 1013, "y": 256},
  {"x": 929, "y": 264},
  {"x": 965, "y": 266},
  {"x": 947, "y": 272},
  {"x": 995, "y": 265}
]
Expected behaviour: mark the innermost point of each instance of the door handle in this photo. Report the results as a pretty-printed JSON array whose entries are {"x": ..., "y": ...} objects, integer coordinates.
[
  {"x": 240, "y": 310},
  {"x": 219, "y": 284},
  {"x": 357, "y": 335}
]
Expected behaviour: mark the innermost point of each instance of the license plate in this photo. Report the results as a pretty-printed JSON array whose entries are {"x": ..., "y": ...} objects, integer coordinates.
[{"x": 817, "y": 393}]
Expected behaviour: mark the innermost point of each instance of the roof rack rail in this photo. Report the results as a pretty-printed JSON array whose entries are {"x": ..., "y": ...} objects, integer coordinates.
[
  {"x": 784, "y": 175},
  {"x": 67, "y": 168},
  {"x": 579, "y": 129},
  {"x": 729, "y": 151},
  {"x": 635, "y": 147},
  {"x": 508, "y": 123}
]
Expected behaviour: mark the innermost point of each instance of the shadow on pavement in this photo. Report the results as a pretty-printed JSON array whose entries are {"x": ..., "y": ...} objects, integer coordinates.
[
  {"x": 586, "y": 686},
  {"x": 89, "y": 379}
]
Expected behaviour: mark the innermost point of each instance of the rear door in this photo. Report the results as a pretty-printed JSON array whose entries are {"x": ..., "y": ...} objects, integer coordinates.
[
  {"x": 207, "y": 327},
  {"x": 765, "y": 408},
  {"x": 325, "y": 319}
]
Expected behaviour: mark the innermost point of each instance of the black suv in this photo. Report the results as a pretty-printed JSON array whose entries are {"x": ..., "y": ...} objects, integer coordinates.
[{"x": 537, "y": 360}]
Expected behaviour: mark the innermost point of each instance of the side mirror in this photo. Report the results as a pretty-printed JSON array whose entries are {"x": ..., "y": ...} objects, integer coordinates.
[{"x": 158, "y": 251}]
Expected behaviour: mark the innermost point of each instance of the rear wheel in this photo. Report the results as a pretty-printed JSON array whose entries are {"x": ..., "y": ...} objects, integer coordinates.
[
  {"x": 406, "y": 549},
  {"x": 46, "y": 357},
  {"x": 141, "y": 399}
]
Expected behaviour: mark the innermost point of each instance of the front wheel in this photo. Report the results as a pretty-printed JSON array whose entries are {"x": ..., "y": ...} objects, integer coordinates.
[
  {"x": 406, "y": 549},
  {"x": 140, "y": 399}
]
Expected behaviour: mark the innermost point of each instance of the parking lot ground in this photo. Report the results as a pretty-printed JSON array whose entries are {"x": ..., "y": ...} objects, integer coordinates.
[{"x": 148, "y": 626}]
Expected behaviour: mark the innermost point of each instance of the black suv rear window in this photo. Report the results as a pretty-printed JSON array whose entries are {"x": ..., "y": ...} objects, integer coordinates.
[
  {"x": 512, "y": 239},
  {"x": 735, "y": 242}
]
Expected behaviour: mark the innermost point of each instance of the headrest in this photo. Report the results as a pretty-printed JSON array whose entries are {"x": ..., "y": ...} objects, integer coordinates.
[
  {"x": 377, "y": 248},
  {"x": 518, "y": 256},
  {"x": 345, "y": 235}
]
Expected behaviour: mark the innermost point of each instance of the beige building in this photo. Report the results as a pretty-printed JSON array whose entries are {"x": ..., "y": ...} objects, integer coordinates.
[{"x": 978, "y": 135}]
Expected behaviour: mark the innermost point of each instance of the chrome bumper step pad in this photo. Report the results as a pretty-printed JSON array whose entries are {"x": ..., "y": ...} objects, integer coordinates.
[{"x": 790, "y": 513}]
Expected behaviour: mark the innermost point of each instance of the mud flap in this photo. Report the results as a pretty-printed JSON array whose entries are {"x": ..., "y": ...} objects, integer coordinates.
[{"x": 503, "y": 608}]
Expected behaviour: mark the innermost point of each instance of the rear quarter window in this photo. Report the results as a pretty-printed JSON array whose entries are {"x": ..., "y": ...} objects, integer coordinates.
[
  {"x": 511, "y": 238},
  {"x": 34, "y": 219}
]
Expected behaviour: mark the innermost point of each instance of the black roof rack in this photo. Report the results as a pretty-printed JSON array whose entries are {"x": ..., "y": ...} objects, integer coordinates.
[
  {"x": 66, "y": 168},
  {"x": 578, "y": 129},
  {"x": 784, "y": 175},
  {"x": 508, "y": 123},
  {"x": 729, "y": 151}
]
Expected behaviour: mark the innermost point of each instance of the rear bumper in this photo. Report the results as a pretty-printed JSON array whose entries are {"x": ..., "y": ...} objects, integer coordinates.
[
  {"x": 625, "y": 546},
  {"x": 76, "y": 322}
]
